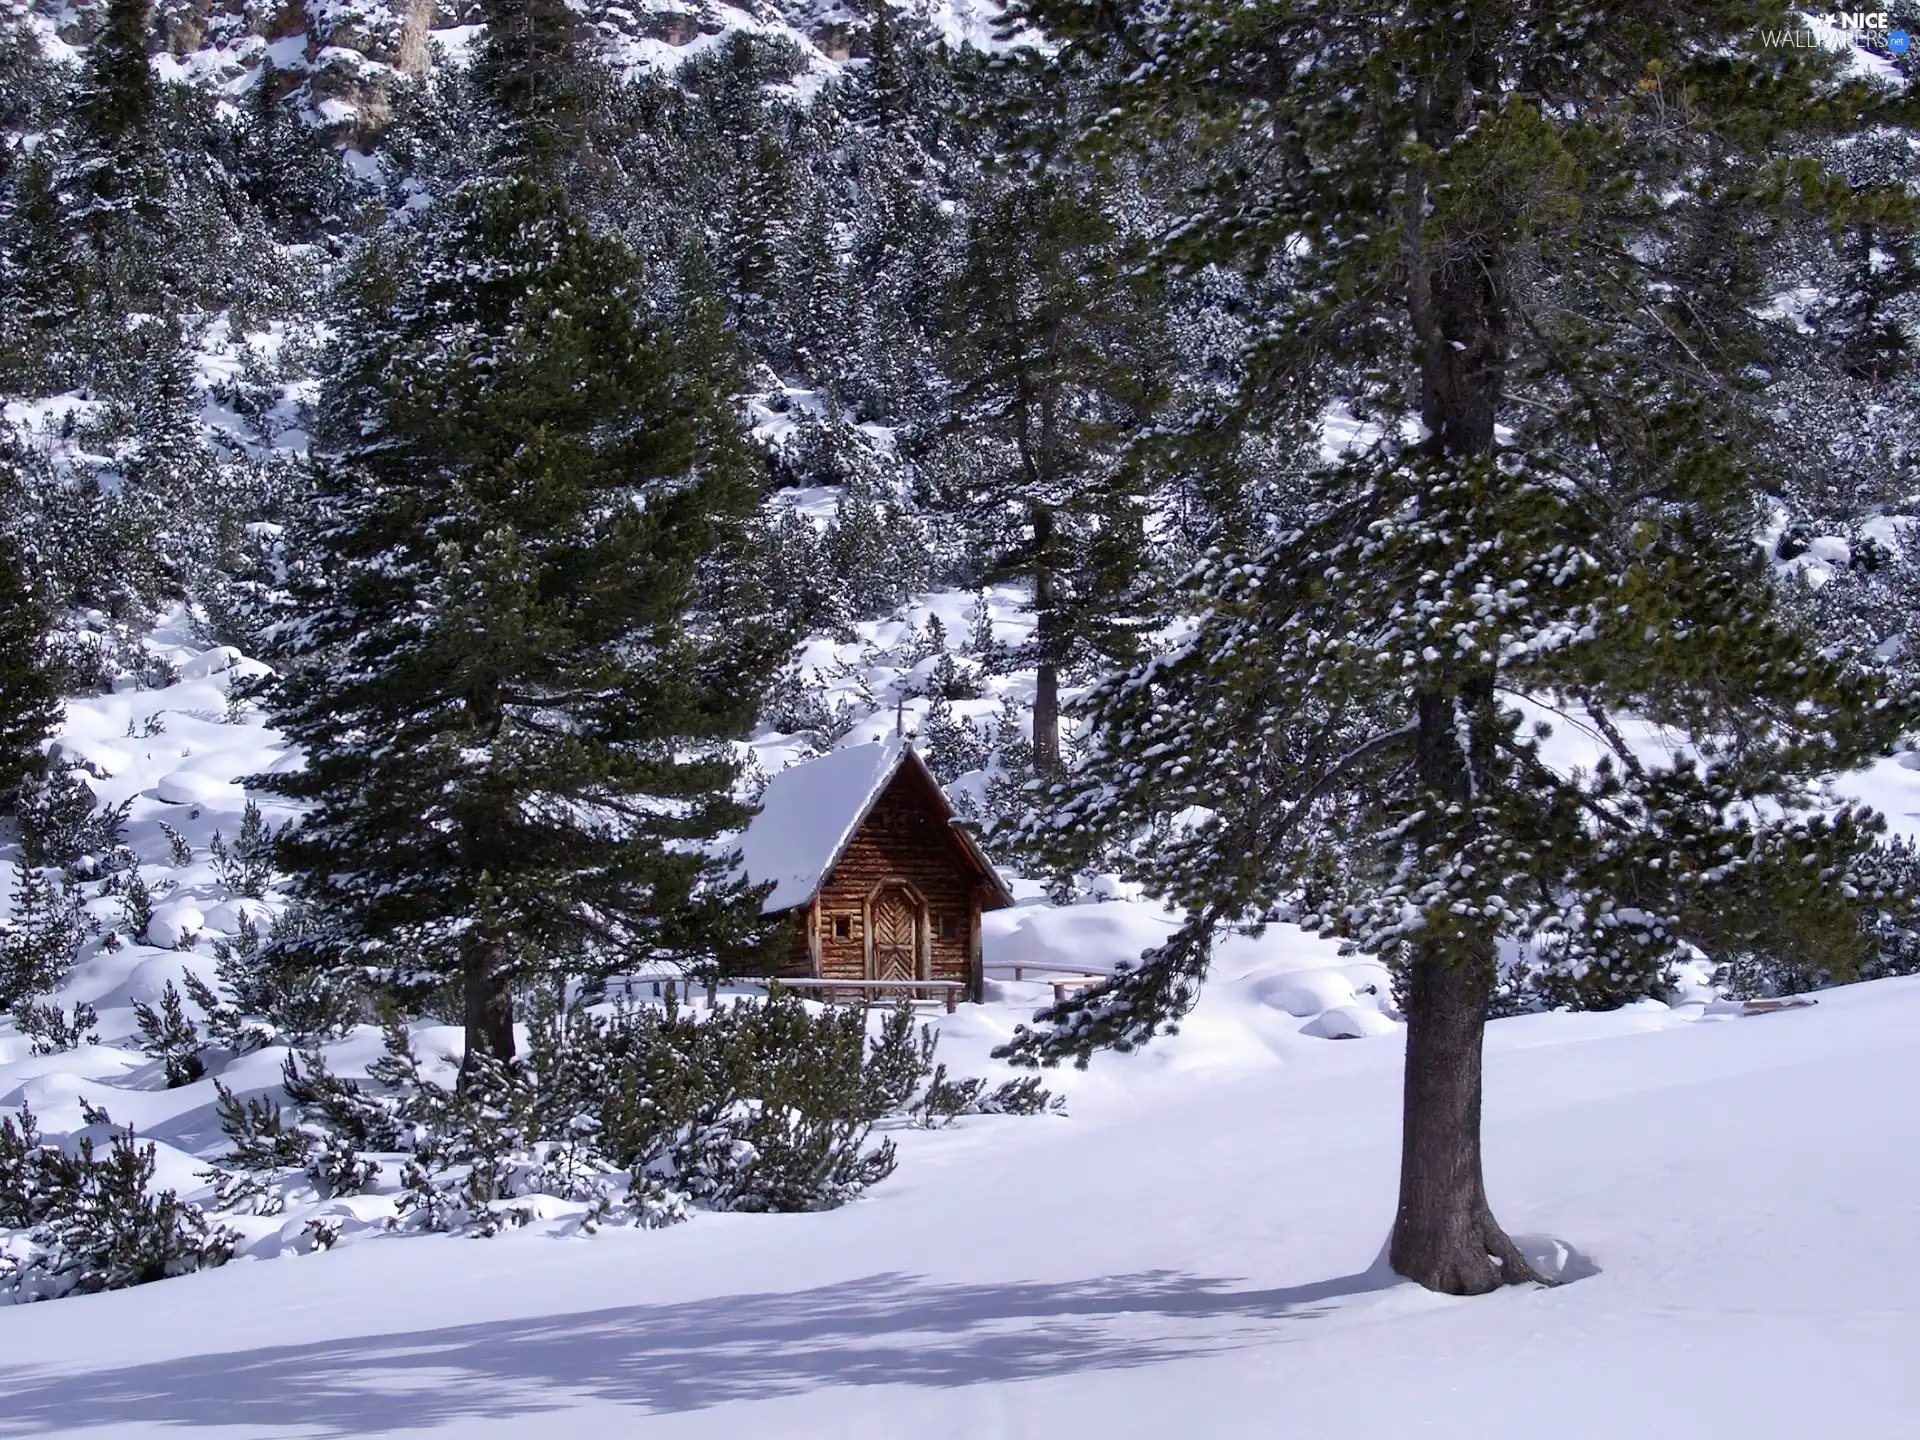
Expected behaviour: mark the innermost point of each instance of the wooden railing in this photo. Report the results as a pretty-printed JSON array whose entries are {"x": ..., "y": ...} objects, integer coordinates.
[
  {"x": 949, "y": 990},
  {"x": 1041, "y": 967}
]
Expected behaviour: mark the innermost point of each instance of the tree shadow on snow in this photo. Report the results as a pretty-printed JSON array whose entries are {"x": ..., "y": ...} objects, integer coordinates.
[{"x": 885, "y": 1329}]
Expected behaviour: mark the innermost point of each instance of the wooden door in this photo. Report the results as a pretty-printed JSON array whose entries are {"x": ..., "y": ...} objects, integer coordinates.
[{"x": 895, "y": 932}]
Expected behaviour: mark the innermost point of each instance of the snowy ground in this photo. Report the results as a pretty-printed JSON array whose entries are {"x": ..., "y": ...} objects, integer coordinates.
[
  {"x": 1194, "y": 1245},
  {"x": 1192, "y": 1248}
]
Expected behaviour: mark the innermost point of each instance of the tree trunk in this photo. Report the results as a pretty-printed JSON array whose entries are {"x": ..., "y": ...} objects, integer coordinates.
[
  {"x": 1046, "y": 683},
  {"x": 489, "y": 1013},
  {"x": 1444, "y": 1233}
]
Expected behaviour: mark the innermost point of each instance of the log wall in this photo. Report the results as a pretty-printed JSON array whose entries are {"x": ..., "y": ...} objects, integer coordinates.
[{"x": 905, "y": 837}]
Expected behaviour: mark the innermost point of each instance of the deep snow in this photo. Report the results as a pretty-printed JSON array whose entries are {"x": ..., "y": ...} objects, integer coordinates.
[
  {"x": 1193, "y": 1246},
  {"x": 1192, "y": 1249}
]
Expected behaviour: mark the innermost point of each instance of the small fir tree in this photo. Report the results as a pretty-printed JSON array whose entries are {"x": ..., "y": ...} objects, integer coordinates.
[{"x": 29, "y": 690}]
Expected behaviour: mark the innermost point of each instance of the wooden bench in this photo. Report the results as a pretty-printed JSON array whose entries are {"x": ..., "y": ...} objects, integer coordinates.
[
  {"x": 1063, "y": 978},
  {"x": 948, "y": 990},
  {"x": 1042, "y": 967}
]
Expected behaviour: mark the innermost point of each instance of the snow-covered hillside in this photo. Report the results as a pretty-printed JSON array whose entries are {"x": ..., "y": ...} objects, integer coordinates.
[
  {"x": 1194, "y": 1242},
  {"x": 343, "y": 58}
]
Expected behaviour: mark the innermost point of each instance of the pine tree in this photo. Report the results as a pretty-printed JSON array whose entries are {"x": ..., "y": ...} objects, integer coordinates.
[
  {"x": 29, "y": 691},
  {"x": 43, "y": 282},
  {"x": 163, "y": 510},
  {"x": 514, "y": 685},
  {"x": 170, "y": 1036},
  {"x": 1538, "y": 239},
  {"x": 755, "y": 238},
  {"x": 115, "y": 173},
  {"x": 1047, "y": 347},
  {"x": 534, "y": 81},
  {"x": 285, "y": 167}
]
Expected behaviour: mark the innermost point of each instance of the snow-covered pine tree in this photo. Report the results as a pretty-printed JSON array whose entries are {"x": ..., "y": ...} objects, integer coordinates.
[
  {"x": 29, "y": 690},
  {"x": 114, "y": 179},
  {"x": 534, "y": 80},
  {"x": 1527, "y": 234},
  {"x": 44, "y": 929},
  {"x": 40, "y": 274},
  {"x": 284, "y": 167},
  {"x": 511, "y": 681},
  {"x": 754, "y": 240},
  {"x": 167, "y": 490},
  {"x": 1048, "y": 350}
]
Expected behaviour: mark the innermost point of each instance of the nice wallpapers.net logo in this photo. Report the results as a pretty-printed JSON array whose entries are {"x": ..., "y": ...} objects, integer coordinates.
[{"x": 1842, "y": 31}]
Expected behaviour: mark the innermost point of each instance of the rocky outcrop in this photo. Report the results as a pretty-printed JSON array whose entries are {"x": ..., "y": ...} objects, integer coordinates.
[
  {"x": 341, "y": 59},
  {"x": 355, "y": 49}
]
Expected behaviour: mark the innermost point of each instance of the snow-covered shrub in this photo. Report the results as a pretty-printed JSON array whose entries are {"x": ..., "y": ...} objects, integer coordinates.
[
  {"x": 799, "y": 704},
  {"x": 63, "y": 826},
  {"x": 246, "y": 866},
  {"x": 38, "y": 942},
  {"x": 170, "y": 1036},
  {"x": 946, "y": 1100},
  {"x": 85, "y": 1222},
  {"x": 272, "y": 1001},
  {"x": 136, "y": 906},
  {"x": 267, "y": 1154},
  {"x": 952, "y": 745},
  {"x": 634, "y": 1112},
  {"x": 50, "y": 1028},
  {"x": 1876, "y": 934},
  {"x": 875, "y": 553}
]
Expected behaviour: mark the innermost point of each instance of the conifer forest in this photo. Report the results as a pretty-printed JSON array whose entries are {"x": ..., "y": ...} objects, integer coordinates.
[{"x": 1398, "y": 517}]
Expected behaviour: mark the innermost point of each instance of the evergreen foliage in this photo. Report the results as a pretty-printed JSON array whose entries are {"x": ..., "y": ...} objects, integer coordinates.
[
  {"x": 116, "y": 170},
  {"x": 1530, "y": 237},
  {"x": 89, "y": 1221},
  {"x": 636, "y": 1111},
  {"x": 171, "y": 1037},
  {"x": 44, "y": 929},
  {"x": 511, "y": 677},
  {"x": 29, "y": 695},
  {"x": 53, "y": 1030},
  {"x": 1052, "y": 372}
]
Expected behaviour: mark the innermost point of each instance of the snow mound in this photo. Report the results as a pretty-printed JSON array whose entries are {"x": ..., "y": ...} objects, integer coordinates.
[
  {"x": 174, "y": 923},
  {"x": 1348, "y": 1022},
  {"x": 1554, "y": 1260},
  {"x": 184, "y": 787},
  {"x": 224, "y": 661},
  {"x": 1306, "y": 992}
]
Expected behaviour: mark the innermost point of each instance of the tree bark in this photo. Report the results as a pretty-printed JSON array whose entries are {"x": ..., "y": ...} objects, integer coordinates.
[
  {"x": 1046, "y": 683},
  {"x": 489, "y": 1013},
  {"x": 1444, "y": 1233}
]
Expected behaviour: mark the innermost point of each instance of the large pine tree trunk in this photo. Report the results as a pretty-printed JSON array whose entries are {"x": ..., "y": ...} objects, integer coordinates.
[
  {"x": 1444, "y": 1233},
  {"x": 489, "y": 1013}
]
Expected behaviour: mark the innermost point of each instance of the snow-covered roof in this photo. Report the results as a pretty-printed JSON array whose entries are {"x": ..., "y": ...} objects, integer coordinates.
[{"x": 809, "y": 812}]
